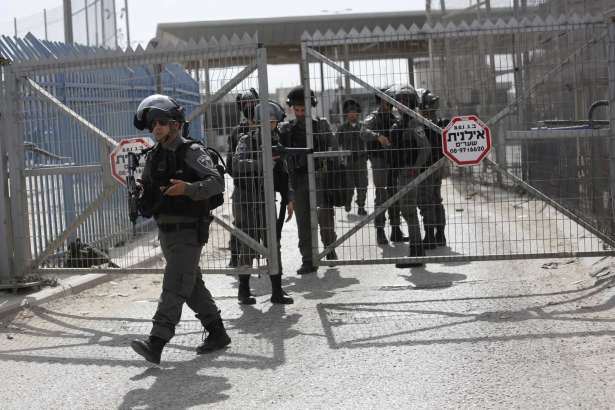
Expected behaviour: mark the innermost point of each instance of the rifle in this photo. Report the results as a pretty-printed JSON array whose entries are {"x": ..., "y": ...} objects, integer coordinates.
[
  {"x": 282, "y": 151},
  {"x": 133, "y": 190}
]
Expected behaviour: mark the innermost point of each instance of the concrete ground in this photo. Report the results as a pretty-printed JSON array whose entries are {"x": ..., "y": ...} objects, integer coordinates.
[{"x": 522, "y": 334}]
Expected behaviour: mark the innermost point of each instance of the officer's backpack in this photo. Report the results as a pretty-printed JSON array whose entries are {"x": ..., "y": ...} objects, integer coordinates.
[{"x": 216, "y": 200}]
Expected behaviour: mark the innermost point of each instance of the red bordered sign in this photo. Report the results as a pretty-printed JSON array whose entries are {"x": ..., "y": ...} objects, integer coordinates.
[
  {"x": 466, "y": 140},
  {"x": 119, "y": 157}
]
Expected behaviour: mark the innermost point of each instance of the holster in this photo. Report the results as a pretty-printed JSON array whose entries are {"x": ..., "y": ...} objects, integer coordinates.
[{"x": 202, "y": 229}]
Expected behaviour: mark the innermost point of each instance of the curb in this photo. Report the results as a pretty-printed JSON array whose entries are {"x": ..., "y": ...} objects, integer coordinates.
[{"x": 70, "y": 286}]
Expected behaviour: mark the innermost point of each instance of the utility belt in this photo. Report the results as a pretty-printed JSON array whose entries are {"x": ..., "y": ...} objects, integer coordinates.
[
  {"x": 201, "y": 226},
  {"x": 176, "y": 227}
]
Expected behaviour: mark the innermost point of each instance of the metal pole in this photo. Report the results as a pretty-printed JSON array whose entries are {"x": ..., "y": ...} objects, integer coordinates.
[
  {"x": 17, "y": 181},
  {"x": 127, "y": 24},
  {"x": 68, "y": 22},
  {"x": 45, "y": 20},
  {"x": 87, "y": 24},
  {"x": 15, "y": 25},
  {"x": 611, "y": 62},
  {"x": 305, "y": 71},
  {"x": 208, "y": 114},
  {"x": 411, "y": 71},
  {"x": 102, "y": 24},
  {"x": 6, "y": 250},
  {"x": 347, "y": 89},
  {"x": 96, "y": 21},
  {"x": 265, "y": 126},
  {"x": 115, "y": 25}
]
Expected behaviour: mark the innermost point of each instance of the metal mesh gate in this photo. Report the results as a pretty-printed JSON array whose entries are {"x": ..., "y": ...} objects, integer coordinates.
[
  {"x": 73, "y": 106},
  {"x": 535, "y": 195}
]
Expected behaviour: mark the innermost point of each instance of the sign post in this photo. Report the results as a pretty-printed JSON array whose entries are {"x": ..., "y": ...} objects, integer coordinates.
[
  {"x": 466, "y": 140},
  {"x": 119, "y": 157}
]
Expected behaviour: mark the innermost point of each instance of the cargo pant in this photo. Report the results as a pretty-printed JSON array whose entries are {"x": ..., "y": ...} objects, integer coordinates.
[
  {"x": 385, "y": 180},
  {"x": 430, "y": 201},
  {"x": 326, "y": 216},
  {"x": 408, "y": 207},
  {"x": 182, "y": 282},
  {"x": 357, "y": 178}
]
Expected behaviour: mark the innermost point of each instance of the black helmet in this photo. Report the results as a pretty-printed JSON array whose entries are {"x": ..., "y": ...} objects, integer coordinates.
[
  {"x": 385, "y": 90},
  {"x": 296, "y": 96},
  {"x": 351, "y": 105},
  {"x": 405, "y": 94},
  {"x": 157, "y": 106},
  {"x": 246, "y": 101},
  {"x": 275, "y": 111},
  {"x": 427, "y": 101}
]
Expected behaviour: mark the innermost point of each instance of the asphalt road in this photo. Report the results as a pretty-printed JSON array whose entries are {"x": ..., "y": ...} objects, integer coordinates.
[{"x": 504, "y": 335}]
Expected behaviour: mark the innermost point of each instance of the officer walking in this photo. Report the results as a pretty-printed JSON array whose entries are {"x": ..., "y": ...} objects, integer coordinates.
[
  {"x": 180, "y": 187},
  {"x": 430, "y": 192},
  {"x": 412, "y": 151},
  {"x": 246, "y": 103},
  {"x": 377, "y": 132},
  {"x": 293, "y": 134},
  {"x": 249, "y": 201},
  {"x": 349, "y": 137}
]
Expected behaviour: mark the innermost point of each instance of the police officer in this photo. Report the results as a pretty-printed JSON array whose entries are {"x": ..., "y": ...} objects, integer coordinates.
[
  {"x": 412, "y": 151},
  {"x": 376, "y": 132},
  {"x": 430, "y": 192},
  {"x": 249, "y": 201},
  {"x": 180, "y": 185},
  {"x": 293, "y": 134},
  {"x": 349, "y": 137},
  {"x": 246, "y": 103}
]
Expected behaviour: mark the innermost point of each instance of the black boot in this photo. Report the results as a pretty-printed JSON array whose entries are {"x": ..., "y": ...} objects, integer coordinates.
[
  {"x": 306, "y": 268},
  {"x": 414, "y": 251},
  {"x": 361, "y": 211},
  {"x": 216, "y": 339},
  {"x": 278, "y": 295},
  {"x": 150, "y": 349},
  {"x": 429, "y": 242},
  {"x": 397, "y": 235},
  {"x": 244, "y": 296},
  {"x": 381, "y": 237},
  {"x": 233, "y": 262},
  {"x": 440, "y": 239}
]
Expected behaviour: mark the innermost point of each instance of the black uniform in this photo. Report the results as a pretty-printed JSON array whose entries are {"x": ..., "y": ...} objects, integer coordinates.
[
  {"x": 430, "y": 193},
  {"x": 183, "y": 223},
  {"x": 233, "y": 140},
  {"x": 383, "y": 169},
  {"x": 249, "y": 194},
  {"x": 412, "y": 151},
  {"x": 349, "y": 137},
  {"x": 293, "y": 135}
]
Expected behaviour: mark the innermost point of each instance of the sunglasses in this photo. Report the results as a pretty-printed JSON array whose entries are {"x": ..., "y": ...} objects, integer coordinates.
[{"x": 160, "y": 121}]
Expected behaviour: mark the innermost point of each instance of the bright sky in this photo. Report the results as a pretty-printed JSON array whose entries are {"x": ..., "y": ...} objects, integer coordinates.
[{"x": 144, "y": 15}]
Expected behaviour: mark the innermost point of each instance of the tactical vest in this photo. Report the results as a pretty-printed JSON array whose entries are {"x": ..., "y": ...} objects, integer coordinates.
[
  {"x": 167, "y": 165},
  {"x": 295, "y": 136},
  {"x": 404, "y": 153},
  {"x": 381, "y": 123}
]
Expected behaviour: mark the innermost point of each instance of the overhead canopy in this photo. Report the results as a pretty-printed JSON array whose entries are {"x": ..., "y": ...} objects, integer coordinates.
[{"x": 282, "y": 35}]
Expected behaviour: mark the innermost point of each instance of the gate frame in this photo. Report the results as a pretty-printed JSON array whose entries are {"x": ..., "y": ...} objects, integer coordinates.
[
  {"x": 308, "y": 50},
  {"x": 17, "y": 77}
]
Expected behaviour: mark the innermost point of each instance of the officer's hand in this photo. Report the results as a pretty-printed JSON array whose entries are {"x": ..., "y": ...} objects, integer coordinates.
[
  {"x": 176, "y": 188},
  {"x": 290, "y": 210},
  {"x": 383, "y": 140}
]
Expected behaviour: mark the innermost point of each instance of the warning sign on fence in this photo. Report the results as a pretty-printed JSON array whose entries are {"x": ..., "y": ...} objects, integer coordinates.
[
  {"x": 466, "y": 140},
  {"x": 119, "y": 157}
]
